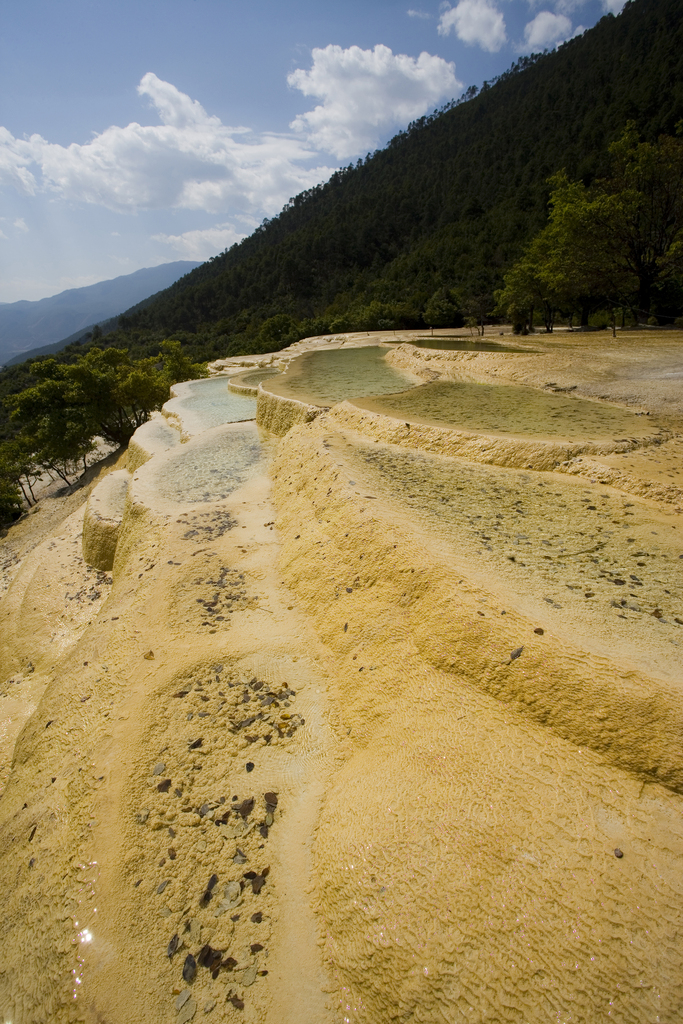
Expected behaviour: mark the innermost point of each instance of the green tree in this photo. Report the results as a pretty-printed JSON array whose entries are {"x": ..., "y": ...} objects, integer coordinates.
[
  {"x": 614, "y": 242},
  {"x": 442, "y": 310},
  {"x": 177, "y": 365},
  {"x": 10, "y": 474},
  {"x": 104, "y": 394}
]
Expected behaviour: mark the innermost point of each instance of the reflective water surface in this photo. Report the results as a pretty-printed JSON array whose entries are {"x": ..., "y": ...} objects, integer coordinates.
[
  {"x": 324, "y": 378},
  {"x": 511, "y": 409},
  {"x": 202, "y": 404}
]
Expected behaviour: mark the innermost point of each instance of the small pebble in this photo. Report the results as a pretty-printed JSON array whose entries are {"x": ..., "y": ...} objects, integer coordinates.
[
  {"x": 516, "y": 653},
  {"x": 539, "y": 631},
  {"x": 162, "y": 886},
  {"x": 182, "y": 999},
  {"x": 159, "y": 768},
  {"x": 189, "y": 969},
  {"x": 250, "y": 766},
  {"x": 187, "y": 1013},
  {"x": 618, "y": 853}
]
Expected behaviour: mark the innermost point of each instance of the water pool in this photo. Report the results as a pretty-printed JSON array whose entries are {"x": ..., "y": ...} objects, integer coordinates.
[
  {"x": 325, "y": 378},
  {"x": 209, "y": 468},
  {"x": 464, "y": 345},
  {"x": 202, "y": 404},
  {"x": 514, "y": 410},
  {"x": 253, "y": 378}
]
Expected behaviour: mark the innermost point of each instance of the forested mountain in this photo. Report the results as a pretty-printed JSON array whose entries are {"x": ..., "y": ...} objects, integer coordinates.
[
  {"x": 26, "y": 325},
  {"x": 427, "y": 227},
  {"x": 450, "y": 202}
]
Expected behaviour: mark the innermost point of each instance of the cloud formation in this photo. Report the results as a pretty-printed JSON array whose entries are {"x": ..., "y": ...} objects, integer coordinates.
[
  {"x": 366, "y": 92},
  {"x": 412, "y": 13},
  {"x": 546, "y": 29},
  {"x": 202, "y": 243},
  {"x": 475, "y": 22},
  {"x": 189, "y": 161}
]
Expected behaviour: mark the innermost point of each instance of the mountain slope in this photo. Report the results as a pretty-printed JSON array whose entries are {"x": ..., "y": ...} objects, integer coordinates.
[
  {"x": 25, "y": 325},
  {"x": 451, "y": 201}
]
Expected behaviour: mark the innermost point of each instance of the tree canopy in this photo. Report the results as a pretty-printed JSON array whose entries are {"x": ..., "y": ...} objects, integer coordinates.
[{"x": 617, "y": 242}]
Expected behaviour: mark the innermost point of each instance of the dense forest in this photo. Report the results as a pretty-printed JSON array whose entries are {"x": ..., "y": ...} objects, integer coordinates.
[
  {"x": 449, "y": 204},
  {"x": 429, "y": 230},
  {"x": 431, "y": 223}
]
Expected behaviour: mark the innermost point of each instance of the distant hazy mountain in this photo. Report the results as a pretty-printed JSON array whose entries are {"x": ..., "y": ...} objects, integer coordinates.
[{"x": 27, "y": 325}]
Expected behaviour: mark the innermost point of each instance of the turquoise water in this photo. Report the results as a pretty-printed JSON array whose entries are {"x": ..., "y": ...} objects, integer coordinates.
[
  {"x": 324, "y": 378},
  {"x": 202, "y": 404},
  {"x": 211, "y": 468}
]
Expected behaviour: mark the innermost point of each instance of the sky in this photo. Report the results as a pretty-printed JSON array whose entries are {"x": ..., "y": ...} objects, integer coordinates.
[{"x": 137, "y": 132}]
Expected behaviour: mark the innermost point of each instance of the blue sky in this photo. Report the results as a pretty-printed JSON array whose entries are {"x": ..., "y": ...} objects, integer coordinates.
[{"x": 135, "y": 132}]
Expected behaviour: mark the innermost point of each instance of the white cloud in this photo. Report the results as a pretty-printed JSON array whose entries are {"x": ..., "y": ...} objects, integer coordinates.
[
  {"x": 475, "y": 21},
  {"x": 20, "y": 224},
  {"x": 546, "y": 28},
  {"x": 417, "y": 14},
  {"x": 15, "y": 157},
  {"x": 191, "y": 161},
  {"x": 613, "y": 6},
  {"x": 365, "y": 92},
  {"x": 202, "y": 243}
]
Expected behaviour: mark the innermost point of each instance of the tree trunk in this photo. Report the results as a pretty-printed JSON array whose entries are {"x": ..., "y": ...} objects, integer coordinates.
[
  {"x": 644, "y": 299},
  {"x": 584, "y": 314}
]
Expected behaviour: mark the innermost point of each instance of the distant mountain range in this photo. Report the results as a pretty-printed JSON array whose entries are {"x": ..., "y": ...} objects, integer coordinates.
[{"x": 47, "y": 322}]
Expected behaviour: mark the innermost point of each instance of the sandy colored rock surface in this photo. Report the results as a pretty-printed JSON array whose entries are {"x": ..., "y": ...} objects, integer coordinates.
[{"x": 365, "y": 725}]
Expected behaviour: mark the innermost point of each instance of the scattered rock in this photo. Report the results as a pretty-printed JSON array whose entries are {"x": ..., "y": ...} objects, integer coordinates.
[
  {"x": 249, "y": 976},
  {"x": 516, "y": 653},
  {"x": 159, "y": 768},
  {"x": 187, "y": 1012},
  {"x": 150, "y": 657},
  {"x": 236, "y": 1001},
  {"x": 250, "y": 766},
  {"x": 539, "y": 631},
  {"x": 182, "y": 999},
  {"x": 618, "y": 853},
  {"x": 164, "y": 786},
  {"x": 142, "y": 815},
  {"x": 209, "y": 1005},
  {"x": 162, "y": 885},
  {"x": 189, "y": 969},
  {"x": 173, "y": 946}
]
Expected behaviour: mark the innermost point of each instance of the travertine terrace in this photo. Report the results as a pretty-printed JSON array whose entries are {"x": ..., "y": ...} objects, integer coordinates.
[{"x": 364, "y": 711}]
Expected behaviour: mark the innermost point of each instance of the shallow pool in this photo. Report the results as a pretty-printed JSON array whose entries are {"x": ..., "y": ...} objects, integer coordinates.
[
  {"x": 464, "y": 345},
  {"x": 511, "y": 410},
  {"x": 211, "y": 468},
  {"x": 324, "y": 378},
  {"x": 202, "y": 404},
  {"x": 253, "y": 378}
]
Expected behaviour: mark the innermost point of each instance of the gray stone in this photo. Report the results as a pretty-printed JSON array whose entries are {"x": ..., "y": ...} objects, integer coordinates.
[
  {"x": 249, "y": 976},
  {"x": 187, "y": 1012},
  {"x": 182, "y": 999},
  {"x": 159, "y": 768}
]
